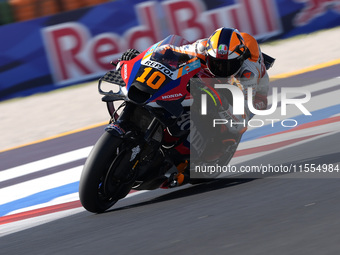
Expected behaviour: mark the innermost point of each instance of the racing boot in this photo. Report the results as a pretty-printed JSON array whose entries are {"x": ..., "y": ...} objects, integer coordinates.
[{"x": 177, "y": 178}]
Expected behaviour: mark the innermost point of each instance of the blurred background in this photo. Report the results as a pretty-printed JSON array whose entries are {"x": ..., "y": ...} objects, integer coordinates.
[
  {"x": 50, "y": 44},
  {"x": 21, "y": 10}
]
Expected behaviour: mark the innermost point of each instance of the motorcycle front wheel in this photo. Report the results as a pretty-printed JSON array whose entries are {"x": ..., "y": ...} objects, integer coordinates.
[{"x": 93, "y": 193}]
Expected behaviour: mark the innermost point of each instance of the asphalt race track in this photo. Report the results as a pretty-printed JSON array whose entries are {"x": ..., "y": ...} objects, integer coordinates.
[{"x": 278, "y": 213}]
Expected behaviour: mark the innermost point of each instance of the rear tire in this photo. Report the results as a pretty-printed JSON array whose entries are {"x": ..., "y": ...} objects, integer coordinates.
[{"x": 91, "y": 186}]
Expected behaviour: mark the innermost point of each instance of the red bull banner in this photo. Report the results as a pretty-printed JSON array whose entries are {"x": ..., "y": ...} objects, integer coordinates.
[{"x": 74, "y": 47}]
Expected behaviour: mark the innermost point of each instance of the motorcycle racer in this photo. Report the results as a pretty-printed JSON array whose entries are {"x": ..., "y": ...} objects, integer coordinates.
[{"x": 227, "y": 53}]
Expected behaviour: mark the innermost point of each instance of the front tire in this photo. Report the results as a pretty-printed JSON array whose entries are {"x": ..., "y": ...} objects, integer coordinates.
[{"x": 91, "y": 186}]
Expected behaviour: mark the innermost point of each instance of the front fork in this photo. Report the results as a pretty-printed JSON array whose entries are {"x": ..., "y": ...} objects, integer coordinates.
[{"x": 124, "y": 126}]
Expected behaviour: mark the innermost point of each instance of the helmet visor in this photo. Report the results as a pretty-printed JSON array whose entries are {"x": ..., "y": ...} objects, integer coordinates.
[{"x": 223, "y": 67}]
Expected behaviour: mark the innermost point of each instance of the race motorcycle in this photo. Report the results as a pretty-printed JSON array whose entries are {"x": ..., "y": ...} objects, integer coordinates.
[{"x": 139, "y": 148}]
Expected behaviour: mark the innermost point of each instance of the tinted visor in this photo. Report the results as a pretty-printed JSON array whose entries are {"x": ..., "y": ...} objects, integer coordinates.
[{"x": 223, "y": 67}]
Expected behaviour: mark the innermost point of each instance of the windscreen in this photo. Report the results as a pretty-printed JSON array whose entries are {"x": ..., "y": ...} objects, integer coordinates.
[{"x": 170, "y": 54}]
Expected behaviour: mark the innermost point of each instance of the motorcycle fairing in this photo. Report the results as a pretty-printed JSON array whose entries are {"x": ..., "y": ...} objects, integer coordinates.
[
  {"x": 152, "y": 77},
  {"x": 129, "y": 70}
]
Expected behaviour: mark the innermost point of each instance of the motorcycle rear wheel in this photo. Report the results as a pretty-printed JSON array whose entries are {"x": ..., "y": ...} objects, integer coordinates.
[{"x": 92, "y": 195}]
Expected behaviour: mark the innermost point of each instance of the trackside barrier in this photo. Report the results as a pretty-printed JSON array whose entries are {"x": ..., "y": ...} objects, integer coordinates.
[{"x": 72, "y": 47}]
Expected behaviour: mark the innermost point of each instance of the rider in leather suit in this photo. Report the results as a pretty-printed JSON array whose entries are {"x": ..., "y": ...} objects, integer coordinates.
[{"x": 227, "y": 53}]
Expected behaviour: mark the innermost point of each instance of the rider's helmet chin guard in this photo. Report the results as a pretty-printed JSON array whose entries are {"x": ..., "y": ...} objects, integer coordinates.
[{"x": 226, "y": 52}]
